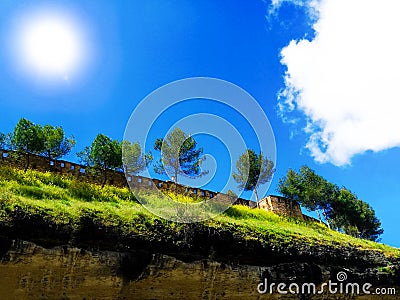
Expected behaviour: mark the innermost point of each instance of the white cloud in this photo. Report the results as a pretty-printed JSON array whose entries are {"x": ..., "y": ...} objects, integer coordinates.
[
  {"x": 310, "y": 5},
  {"x": 346, "y": 79}
]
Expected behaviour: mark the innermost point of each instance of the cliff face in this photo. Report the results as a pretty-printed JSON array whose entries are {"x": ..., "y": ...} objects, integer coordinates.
[
  {"x": 32, "y": 272},
  {"x": 99, "y": 263}
]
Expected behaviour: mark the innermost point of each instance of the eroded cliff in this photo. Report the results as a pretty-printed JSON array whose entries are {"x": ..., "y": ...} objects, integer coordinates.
[{"x": 94, "y": 262}]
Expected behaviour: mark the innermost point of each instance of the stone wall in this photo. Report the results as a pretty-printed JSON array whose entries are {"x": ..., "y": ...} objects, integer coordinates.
[
  {"x": 276, "y": 204},
  {"x": 113, "y": 177},
  {"x": 281, "y": 206},
  {"x": 61, "y": 167}
]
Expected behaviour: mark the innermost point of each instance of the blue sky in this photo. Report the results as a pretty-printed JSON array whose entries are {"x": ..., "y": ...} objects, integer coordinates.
[{"x": 320, "y": 103}]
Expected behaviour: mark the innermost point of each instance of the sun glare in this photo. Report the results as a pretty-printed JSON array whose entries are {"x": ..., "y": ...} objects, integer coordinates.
[{"x": 50, "y": 45}]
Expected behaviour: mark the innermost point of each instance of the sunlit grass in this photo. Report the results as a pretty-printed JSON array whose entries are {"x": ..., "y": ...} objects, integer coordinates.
[{"x": 259, "y": 222}]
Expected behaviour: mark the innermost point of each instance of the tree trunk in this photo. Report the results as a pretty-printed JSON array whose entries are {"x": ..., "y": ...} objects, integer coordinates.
[
  {"x": 326, "y": 219},
  {"x": 255, "y": 193},
  {"x": 104, "y": 177},
  {"x": 291, "y": 208},
  {"x": 176, "y": 182},
  {"x": 319, "y": 215},
  {"x": 27, "y": 161},
  {"x": 49, "y": 156}
]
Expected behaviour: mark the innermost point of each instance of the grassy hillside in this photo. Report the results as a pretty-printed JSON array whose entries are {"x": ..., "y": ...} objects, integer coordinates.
[{"x": 64, "y": 201}]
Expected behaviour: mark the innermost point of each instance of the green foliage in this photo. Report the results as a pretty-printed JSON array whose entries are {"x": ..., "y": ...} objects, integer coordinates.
[
  {"x": 183, "y": 198},
  {"x": 253, "y": 170},
  {"x": 3, "y": 140},
  {"x": 28, "y": 138},
  {"x": 8, "y": 174},
  {"x": 33, "y": 178},
  {"x": 48, "y": 178},
  {"x": 102, "y": 155},
  {"x": 133, "y": 159},
  {"x": 354, "y": 216},
  {"x": 311, "y": 190},
  {"x": 106, "y": 153},
  {"x": 119, "y": 194},
  {"x": 179, "y": 155},
  {"x": 40, "y": 193},
  {"x": 340, "y": 208},
  {"x": 291, "y": 187},
  {"x": 56, "y": 145},
  {"x": 83, "y": 191},
  {"x": 342, "y": 214},
  {"x": 389, "y": 269},
  {"x": 91, "y": 192},
  {"x": 241, "y": 212},
  {"x": 47, "y": 185}
]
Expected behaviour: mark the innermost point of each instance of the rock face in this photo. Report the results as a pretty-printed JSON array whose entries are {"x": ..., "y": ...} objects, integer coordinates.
[
  {"x": 43, "y": 260},
  {"x": 29, "y": 271}
]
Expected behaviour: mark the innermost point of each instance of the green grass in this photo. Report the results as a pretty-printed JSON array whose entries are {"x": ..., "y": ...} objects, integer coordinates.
[
  {"x": 64, "y": 201},
  {"x": 258, "y": 222}
]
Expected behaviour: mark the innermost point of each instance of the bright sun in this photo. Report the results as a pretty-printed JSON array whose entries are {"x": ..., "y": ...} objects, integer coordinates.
[{"x": 50, "y": 45}]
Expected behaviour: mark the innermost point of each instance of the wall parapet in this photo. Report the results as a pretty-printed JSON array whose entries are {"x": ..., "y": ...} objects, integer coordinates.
[
  {"x": 281, "y": 206},
  {"x": 116, "y": 178}
]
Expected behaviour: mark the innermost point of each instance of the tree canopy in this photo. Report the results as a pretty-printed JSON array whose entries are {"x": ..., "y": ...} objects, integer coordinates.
[
  {"x": 103, "y": 154},
  {"x": 341, "y": 209},
  {"x": 253, "y": 170},
  {"x": 311, "y": 190},
  {"x": 28, "y": 138},
  {"x": 354, "y": 216},
  {"x": 133, "y": 159},
  {"x": 56, "y": 145},
  {"x": 179, "y": 155}
]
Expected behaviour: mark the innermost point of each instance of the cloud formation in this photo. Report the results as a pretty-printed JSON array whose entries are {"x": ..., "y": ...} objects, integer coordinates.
[
  {"x": 345, "y": 80},
  {"x": 310, "y": 5}
]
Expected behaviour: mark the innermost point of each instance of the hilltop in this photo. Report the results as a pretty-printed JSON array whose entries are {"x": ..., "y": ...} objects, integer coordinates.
[{"x": 45, "y": 216}]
